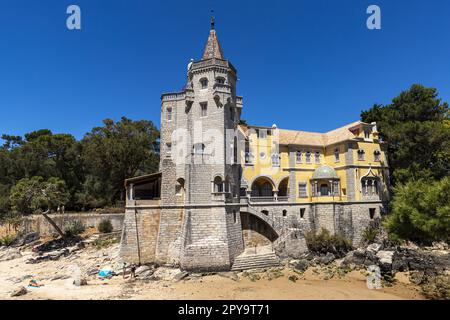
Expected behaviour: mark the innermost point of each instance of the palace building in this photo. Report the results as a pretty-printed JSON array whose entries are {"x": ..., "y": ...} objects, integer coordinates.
[{"x": 234, "y": 196}]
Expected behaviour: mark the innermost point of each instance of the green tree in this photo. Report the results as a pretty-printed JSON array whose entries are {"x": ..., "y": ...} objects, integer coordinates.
[
  {"x": 113, "y": 153},
  {"x": 35, "y": 194},
  {"x": 421, "y": 211},
  {"x": 416, "y": 127}
]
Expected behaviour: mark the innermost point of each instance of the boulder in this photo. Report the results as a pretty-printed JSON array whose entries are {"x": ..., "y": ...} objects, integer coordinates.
[
  {"x": 301, "y": 265},
  {"x": 19, "y": 292},
  {"x": 373, "y": 248},
  {"x": 10, "y": 254},
  {"x": 180, "y": 276},
  {"x": 356, "y": 257},
  {"x": 385, "y": 259},
  {"x": 23, "y": 239},
  {"x": 230, "y": 275},
  {"x": 328, "y": 258}
]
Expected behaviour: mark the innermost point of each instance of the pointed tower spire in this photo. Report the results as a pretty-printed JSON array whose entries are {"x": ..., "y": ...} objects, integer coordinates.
[{"x": 212, "y": 47}]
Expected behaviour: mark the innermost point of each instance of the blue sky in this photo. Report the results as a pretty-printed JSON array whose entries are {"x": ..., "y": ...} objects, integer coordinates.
[{"x": 308, "y": 65}]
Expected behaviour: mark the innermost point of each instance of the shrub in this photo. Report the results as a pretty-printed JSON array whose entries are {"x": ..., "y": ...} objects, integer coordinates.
[
  {"x": 105, "y": 226},
  {"x": 421, "y": 212},
  {"x": 75, "y": 228},
  {"x": 371, "y": 232},
  {"x": 324, "y": 242},
  {"x": 6, "y": 240}
]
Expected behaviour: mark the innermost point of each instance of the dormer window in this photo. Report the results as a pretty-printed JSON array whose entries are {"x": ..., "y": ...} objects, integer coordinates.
[
  {"x": 366, "y": 134},
  {"x": 361, "y": 155},
  {"x": 204, "y": 83}
]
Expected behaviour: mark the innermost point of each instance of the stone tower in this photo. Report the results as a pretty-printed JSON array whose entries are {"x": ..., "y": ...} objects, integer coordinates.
[{"x": 200, "y": 225}]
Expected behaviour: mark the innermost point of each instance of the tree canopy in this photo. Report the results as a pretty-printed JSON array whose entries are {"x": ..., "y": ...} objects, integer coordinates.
[
  {"x": 416, "y": 127},
  {"x": 92, "y": 170}
]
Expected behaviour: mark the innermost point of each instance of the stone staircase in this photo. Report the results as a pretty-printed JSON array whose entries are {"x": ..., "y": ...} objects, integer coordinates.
[{"x": 255, "y": 261}]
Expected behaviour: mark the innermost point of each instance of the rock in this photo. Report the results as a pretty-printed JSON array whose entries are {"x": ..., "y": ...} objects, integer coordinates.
[
  {"x": 164, "y": 273},
  {"x": 23, "y": 239},
  {"x": 80, "y": 282},
  {"x": 146, "y": 275},
  {"x": 253, "y": 277},
  {"x": 142, "y": 269},
  {"x": 293, "y": 278},
  {"x": 60, "y": 277},
  {"x": 19, "y": 292},
  {"x": 356, "y": 257},
  {"x": 339, "y": 262},
  {"x": 328, "y": 258},
  {"x": 10, "y": 254},
  {"x": 373, "y": 248},
  {"x": 301, "y": 265},
  {"x": 385, "y": 260},
  {"x": 230, "y": 275},
  {"x": 273, "y": 274},
  {"x": 180, "y": 276}
]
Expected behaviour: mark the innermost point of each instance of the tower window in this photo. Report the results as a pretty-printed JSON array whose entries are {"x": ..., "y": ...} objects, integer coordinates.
[
  {"x": 302, "y": 213},
  {"x": 220, "y": 80},
  {"x": 168, "y": 147},
  {"x": 169, "y": 113},
  {"x": 284, "y": 213},
  {"x": 204, "y": 83},
  {"x": 203, "y": 109},
  {"x": 198, "y": 148},
  {"x": 372, "y": 213},
  {"x": 234, "y": 216}
]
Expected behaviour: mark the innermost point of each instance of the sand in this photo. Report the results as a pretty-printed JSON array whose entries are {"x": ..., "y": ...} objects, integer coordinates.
[{"x": 310, "y": 285}]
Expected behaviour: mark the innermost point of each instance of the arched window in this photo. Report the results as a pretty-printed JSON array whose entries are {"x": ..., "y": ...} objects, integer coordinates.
[
  {"x": 370, "y": 186},
  {"x": 204, "y": 83},
  {"x": 179, "y": 187},
  {"x": 218, "y": 184},
  {"x": 317, "y": 156},
  {"x": 308, "y": 157}
]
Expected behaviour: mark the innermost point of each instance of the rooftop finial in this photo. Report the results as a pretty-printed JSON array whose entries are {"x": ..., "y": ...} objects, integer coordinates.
[{"x": 212, "y": 19}]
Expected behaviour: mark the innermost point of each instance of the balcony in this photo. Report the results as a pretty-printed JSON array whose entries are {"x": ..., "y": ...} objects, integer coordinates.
[{"x": 269, "y": 199}]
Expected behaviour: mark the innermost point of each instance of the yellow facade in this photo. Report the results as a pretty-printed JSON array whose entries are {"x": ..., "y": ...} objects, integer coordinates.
[{"x": 277, "y": 157}]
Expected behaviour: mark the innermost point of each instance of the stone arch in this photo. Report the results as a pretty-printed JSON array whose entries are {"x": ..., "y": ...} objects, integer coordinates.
[
  {"x": 257, "y": 231},
  {"x": 283, "y": 187},
  {"x": 262, "y": 186}
]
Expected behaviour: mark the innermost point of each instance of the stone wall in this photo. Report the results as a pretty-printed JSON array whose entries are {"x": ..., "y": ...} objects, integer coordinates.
[
  {"x": 139, "y": 236},
  {"x": 37, "y": 223}
]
